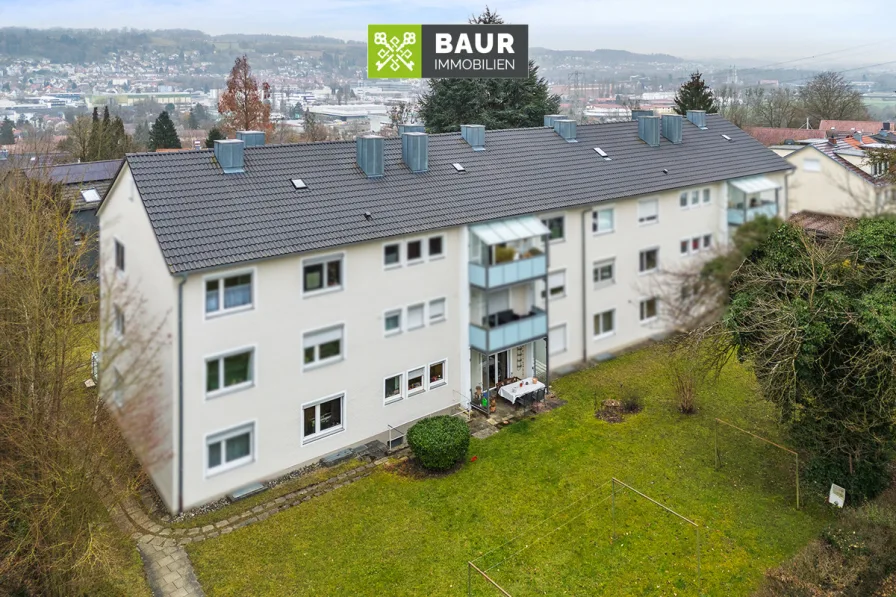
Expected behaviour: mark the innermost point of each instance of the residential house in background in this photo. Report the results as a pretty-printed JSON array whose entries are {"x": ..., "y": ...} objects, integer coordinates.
[{"x": 319, "y": 295}]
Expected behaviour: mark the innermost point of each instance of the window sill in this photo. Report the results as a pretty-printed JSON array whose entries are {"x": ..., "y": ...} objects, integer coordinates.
[
  {"x": 416, "y": 391},
  {"x": 437, "y": 384},
  {"x": 231, "y": 311},
  {"x": 434, "y": 321},
  {"x": 313, "y": 293},
  {"x": 651, "y": 223},
  {"x": 393, "y": 400},
  {"x": 557, "y": 241},
  {"x": 320, "y": 364},
  {"x": 389, "y": 266},
  {"x": 554, "y": 297},
  {"x": 649, "y": 320},
  {"x": 604, "y": 284},
  {"x": 229, "y": 466},
  {"x": 649, "y": 271},
  {"x": 603, "y": 232},
  {"x": 321, "y": 435},
  {"x": 418, "y": 327},
  {"x": 436, "y": 257},
  {"x": 415, "y": 262},
  {"x": 604, "y": 336},
  {"x": 390, "y": 333},
  {"x": 229, "y": 390}
]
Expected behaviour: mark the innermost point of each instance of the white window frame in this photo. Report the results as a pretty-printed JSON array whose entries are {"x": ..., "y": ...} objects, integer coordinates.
[
  {"x": 422, "y": 317},
  {"x": 443, "y": 316},
  {"x": 706, "y": 197},
  {"x": 115, "y": 245},
  {"x": 648, "y": 222},
  {"x": 118, "y": 322},
  {"x": 704, "y": 246},
  {"x": 318, "y": 435},
  {"x": 329, "y": 360},
  {"x": 595, "y": 220},
  {"x": 642, "y": 307},
  {"x": 424, "y": 246},
  {"x": 222, "y": 436},
  {"x": 437, "y": 256},
  {"x": 386, "y": 315},
  {"x": 252, "y": 349},
  {"x": 220, "y": 277},
  {"x": 604, "y": 334},
  {"x": 437, "y": 384},
  {"x": 562, "y": 217},
  {"x": 551, "y": 349},
  {"x": 611, "y": 261},
  {"x": 387, "y": 400},
  {"x": 684, "y": 195},
  {"x": 324, "y": 259},
  {"x": 695, "y": 194},
  {"x": 548, "y": 286},
  {"x": 398, "y": 263},
  {"x": 687, "y": 248},
  {"x": 648, "y": 271},
  {"x": 407, "y": 381}
]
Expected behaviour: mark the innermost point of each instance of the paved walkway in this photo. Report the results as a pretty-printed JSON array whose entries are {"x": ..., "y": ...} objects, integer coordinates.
[{"x": 167, "y": 564}]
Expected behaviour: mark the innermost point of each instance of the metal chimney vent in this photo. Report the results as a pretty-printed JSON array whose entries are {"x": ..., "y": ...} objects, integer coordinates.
[
  {"x": 474, "y": 134},
  {"x": 649, "y": 130},
  {"x": 415, "y": 151},
  {"x": 251, "y": 138},
  {"x": 636, "y": 114},
  {"x": 550, "y": 118},
  {"x": 410, "y": 128},
  {"x": 672, "y": 127},
  {"x": 566, "y": 128},
  {"x": 229, "y": 153},
  {"x": 369, "y": 152},
  {"x": 698, "y": 118}
]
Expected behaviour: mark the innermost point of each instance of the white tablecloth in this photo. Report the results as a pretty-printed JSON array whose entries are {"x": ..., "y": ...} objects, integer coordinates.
[{"x": 513, "y": 392}]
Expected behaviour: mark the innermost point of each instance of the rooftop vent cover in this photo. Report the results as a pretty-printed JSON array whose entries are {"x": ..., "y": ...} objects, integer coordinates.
[
  {"x": 459, "y": 168},
  {"x": 602, "y": 153},
  {"x": 90, "y": 195},
  {"x": 726, "y": 137},
  {"x": 298, "y": 183}
]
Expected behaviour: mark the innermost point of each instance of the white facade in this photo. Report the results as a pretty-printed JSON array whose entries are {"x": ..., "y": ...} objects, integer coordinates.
[{"x": 246, "y": 418}]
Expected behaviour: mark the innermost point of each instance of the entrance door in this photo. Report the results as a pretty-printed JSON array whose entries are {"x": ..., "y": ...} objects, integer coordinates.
[{"x": 498, "y": 368}]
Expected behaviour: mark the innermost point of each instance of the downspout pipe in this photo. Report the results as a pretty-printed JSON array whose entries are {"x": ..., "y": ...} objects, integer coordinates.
[
  {"x": 180, "y": 393},
  {"x": 547, "y": 313},
  {"x": 585, "y": 286}
]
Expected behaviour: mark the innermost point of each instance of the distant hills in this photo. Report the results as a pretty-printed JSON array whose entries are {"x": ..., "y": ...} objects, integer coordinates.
[{"x": 608, "y": 57}]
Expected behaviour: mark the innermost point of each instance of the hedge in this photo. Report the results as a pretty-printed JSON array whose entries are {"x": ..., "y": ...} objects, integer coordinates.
[{"x": 439, "y": 442}]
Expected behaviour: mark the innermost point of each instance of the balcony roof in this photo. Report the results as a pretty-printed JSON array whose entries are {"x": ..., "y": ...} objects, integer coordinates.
[
  {"x": 509, "y": 230},
  {"x": 755, "y": 184}
]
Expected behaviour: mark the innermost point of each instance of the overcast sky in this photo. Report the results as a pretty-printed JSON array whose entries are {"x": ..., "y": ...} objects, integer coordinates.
[{"x": 760, "y": 29}]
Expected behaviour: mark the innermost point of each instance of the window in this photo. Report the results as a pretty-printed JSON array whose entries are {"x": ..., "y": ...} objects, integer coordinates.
[
  {"x": 415, "y": 251},
  {"x": 299, "y": 184},
  {"x": 648, "y": 310},
  {"x": 435, "y": 247},
  {"x": 555, "y": 225},
  {"x": 322, "y": 418},
  {"x": 436, "y": 310},
  {"x": 707, "y": 196},
  {"x": 415, "y": 317},
  {"x": 392, "y": 391},
  {"x": 604, "y": 323},
  {"x": 323, "y": 273},
  {"x": 117, "y": 388},
  {"x": 683, "y": 247},
  {"x": 695, "y": 244},
  {"x": 604, "y": 272},
  {"x": 232, "y": 292},
  {"x": 119, "y": 256},
  {"x": 323, "y": 346},
  {"x": 557, "y": 284},
  {"x": 392, "y": 321},
  {"x": 648, "y": 211},
  {"x": 90, "y": 195},
  {"x": 557, "y": 339},
  {"x": 683, "y": 199},
  {"x": 415, "y": 381},
  {"x": 118, "y": 322},
  {"x": 228, "y": 372},
  {"x": 392, "y": 254},
  {"x": 695, "y": 198},
  {"x": 880, "y": 168},
  {"x": 437, "y": 374},
  {"x": 707, "y": 241},
  {"x": 230, "y": 449},
  {"x": 810, "y": 165},
  {"x": 602, "y": 220},
  {"x": 649, "y": 260}
]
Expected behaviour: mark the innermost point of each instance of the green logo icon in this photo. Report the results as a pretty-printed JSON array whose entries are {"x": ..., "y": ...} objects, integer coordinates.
[{"x": 394, "y": 51}]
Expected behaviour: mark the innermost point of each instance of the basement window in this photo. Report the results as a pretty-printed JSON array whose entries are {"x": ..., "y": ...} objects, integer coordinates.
[
  {"x": 459, "y": 168},
  {"x": 90, "y": 195},
  {"x": 298, "y": 183}
]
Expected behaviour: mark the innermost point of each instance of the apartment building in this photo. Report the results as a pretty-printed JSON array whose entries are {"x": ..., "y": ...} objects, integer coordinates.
[{"x": 311, "y": 296}]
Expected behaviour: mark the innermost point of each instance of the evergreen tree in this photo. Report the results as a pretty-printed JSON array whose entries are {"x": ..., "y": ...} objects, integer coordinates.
[
  {"x": 213, "y": 135},
  {"x": 192, "y": 120},
  {"x": 163, "y": 134},
  {"x": 108, "y": 140},
  {"x": 496, "y": 103},
  {"x": 695, "y": 95},
  {"x": 95, "y": 141},
  {"x": 7, "y": 136}
]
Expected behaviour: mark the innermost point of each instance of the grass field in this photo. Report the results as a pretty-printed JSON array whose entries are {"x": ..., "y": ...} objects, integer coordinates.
[{"x": 390, "y": 534}]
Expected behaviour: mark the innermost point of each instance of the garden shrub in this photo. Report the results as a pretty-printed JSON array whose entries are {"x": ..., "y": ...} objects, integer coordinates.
[{"x": 439, "y": 442}]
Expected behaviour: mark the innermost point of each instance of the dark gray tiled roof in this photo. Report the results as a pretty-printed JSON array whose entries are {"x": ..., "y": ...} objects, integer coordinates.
[{"x": 204, "y": 218}]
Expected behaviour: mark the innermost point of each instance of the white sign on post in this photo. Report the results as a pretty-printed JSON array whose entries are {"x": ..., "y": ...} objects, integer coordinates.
[{"x": 837, "y": 496}]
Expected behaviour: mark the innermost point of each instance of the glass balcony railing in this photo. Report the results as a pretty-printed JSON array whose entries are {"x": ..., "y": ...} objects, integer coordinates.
[
  {"x": 740, "y": 215},
  {"x": 503, "y": 335},
  {"x": 509, "y": 272}
]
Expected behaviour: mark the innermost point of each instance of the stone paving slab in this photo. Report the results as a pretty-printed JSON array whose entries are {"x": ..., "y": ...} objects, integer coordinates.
[{"x": 169, "y": 571}]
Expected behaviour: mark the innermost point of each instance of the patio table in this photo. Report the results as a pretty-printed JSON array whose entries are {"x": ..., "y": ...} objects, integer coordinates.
[{"x": 514, "y": 391}]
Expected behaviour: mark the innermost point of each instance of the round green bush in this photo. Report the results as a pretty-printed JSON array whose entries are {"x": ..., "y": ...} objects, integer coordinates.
[{"x": 439, "y": 442}]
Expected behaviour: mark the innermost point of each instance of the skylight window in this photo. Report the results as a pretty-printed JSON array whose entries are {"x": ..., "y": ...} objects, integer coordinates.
[
  {"x": 298, "y": 183},
  {"x": 90, "y": 195},
  {"x": 459, "y": 168},
  {"x": 602, "y": 153},
  {"x": 726, "y": 137}
]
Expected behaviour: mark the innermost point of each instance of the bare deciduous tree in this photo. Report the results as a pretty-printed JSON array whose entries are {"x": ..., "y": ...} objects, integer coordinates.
[{"x": 828, "y": 96}]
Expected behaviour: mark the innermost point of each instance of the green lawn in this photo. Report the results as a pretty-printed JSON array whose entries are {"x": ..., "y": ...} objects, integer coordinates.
[{"x": 393, "y": 535}]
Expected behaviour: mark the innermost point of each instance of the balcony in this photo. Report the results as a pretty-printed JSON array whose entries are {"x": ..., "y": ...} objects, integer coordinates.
[
  {"x": 510, "y": 272},
  {"x": 742, "y": 215},
  {"x": 508, "y": 329}
]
